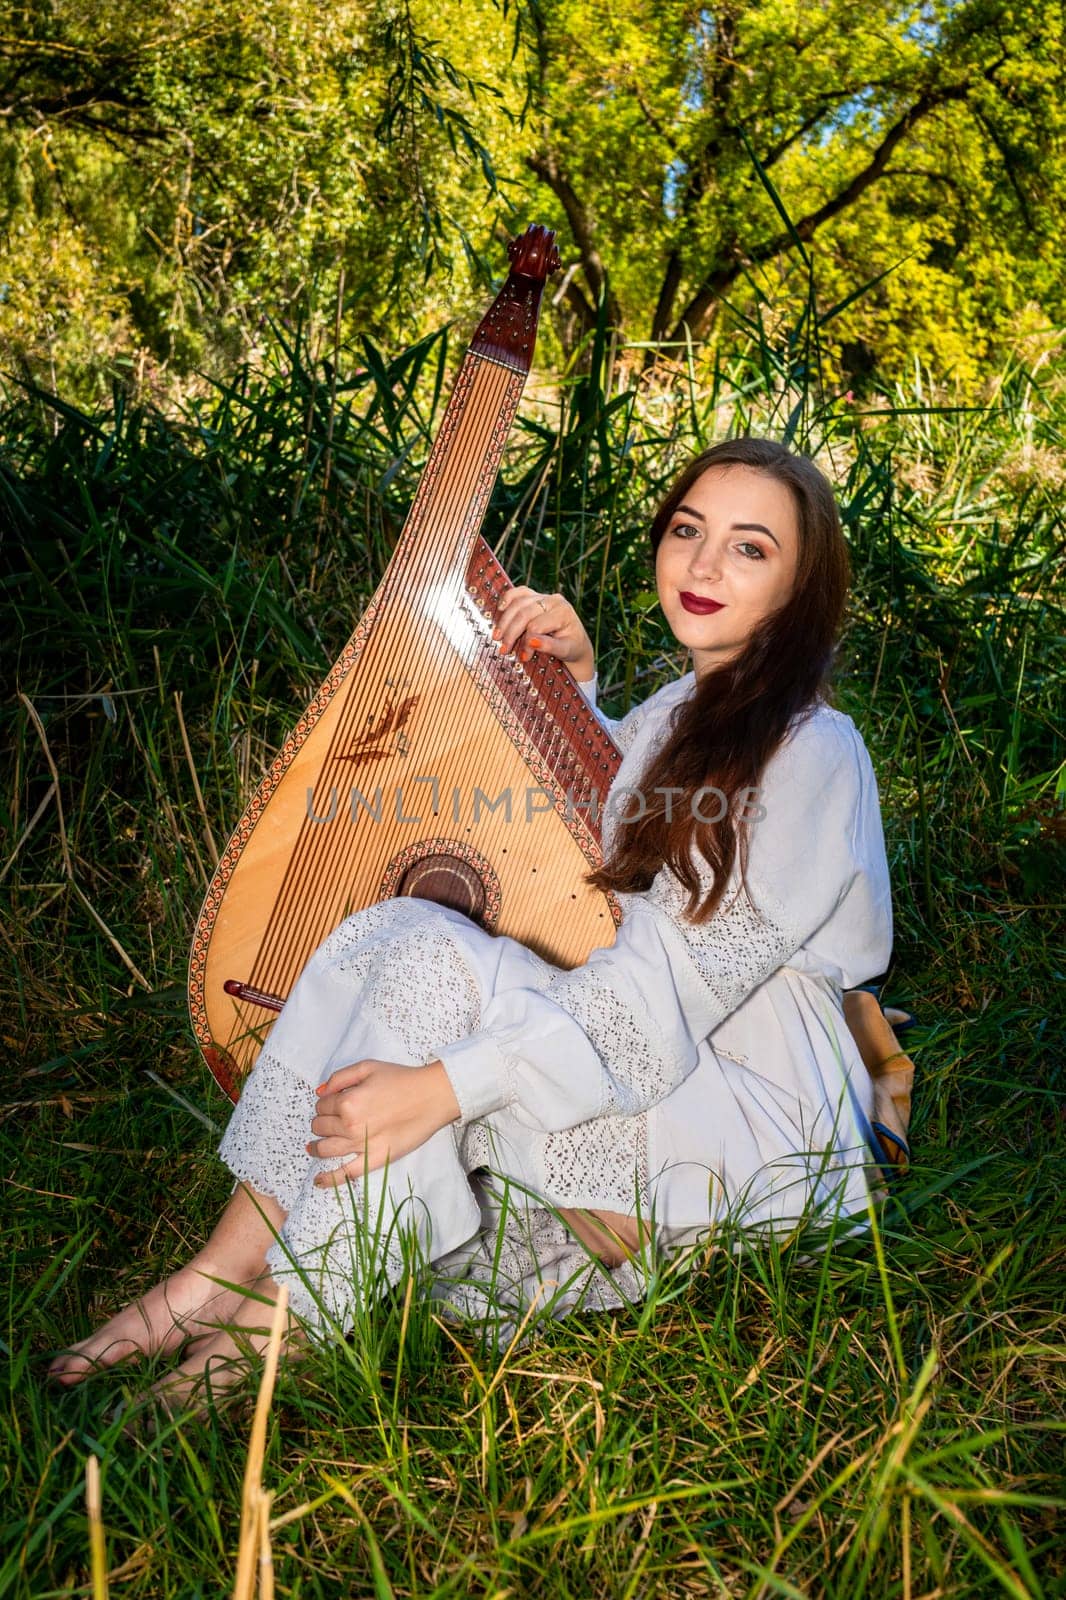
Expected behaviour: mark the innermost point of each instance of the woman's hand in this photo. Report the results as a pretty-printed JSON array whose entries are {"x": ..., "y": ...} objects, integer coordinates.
[
  {"x": 378, "y": 1111},
  {"x": 530, "y": 621}
]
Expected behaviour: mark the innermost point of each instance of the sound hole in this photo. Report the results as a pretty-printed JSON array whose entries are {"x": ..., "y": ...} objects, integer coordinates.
[
  {"x": 451, "y": 872},
  {"x": 448, "y": 881}
]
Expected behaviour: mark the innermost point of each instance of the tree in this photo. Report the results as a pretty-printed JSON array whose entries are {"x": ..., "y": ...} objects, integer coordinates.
[
  {"x": 177, "y": 166},
  {"x": 178, "y": 174},
  {"x": 930, "y": 131}
]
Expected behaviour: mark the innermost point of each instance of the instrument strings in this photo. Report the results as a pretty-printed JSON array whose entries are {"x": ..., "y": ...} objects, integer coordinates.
[
  {"x": 325, "y": 852},
  {"x": 441, "y": 543}
]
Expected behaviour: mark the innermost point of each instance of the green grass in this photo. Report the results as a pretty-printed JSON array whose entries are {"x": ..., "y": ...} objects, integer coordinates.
[{"x": 881, "y": 1418}]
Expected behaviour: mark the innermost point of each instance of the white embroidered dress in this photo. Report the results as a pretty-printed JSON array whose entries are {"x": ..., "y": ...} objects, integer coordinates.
[{"x": 692, "y": 1071}]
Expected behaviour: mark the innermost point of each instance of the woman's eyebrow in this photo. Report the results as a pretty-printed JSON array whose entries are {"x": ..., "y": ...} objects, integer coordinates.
[
  {"x": 737, "y": 527},
  {"x": 754, "y": 527}
]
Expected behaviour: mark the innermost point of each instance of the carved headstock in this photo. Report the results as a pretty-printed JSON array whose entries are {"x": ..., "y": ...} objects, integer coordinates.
[
  {"x": 533, "y": 253},
  {"x": 507, "y": 332}
]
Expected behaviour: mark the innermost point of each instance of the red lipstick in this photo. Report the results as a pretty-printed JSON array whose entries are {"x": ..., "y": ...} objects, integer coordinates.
[{"x": 702, "y": 608}]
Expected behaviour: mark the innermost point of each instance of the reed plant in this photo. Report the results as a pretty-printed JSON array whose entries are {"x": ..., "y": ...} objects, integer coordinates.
[{"x": 881, "y": 1417}]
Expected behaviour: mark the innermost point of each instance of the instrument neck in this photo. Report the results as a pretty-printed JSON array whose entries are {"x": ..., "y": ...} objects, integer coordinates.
[{"x": 453, "y": 495}]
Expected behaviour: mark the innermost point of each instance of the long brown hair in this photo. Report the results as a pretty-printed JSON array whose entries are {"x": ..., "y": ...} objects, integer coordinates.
[{"x": 724, "y": 733}]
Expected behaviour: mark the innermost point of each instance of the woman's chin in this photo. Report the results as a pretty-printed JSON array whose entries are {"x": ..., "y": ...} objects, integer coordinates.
[{"x": 708, "y": 644}]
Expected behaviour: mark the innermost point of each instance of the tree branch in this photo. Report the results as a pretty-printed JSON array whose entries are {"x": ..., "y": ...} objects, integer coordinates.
[
  {"x": 1008, "y": 165},
  {"x": 929, "y": 173},
  {"x": 25, "y": 106},
  {"x": 667, "y": 295},
  {"x": 632, "y": 83},
  {"x": 547, "y": 168},
  {"x": 696, "y": 315}
]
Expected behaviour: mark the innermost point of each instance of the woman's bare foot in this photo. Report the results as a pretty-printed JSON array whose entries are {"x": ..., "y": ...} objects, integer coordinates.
[
  {"x": 187, "y": 1305},
  {"x": 223, "y": 1357},
  {"x": 193, "y": 1302}
]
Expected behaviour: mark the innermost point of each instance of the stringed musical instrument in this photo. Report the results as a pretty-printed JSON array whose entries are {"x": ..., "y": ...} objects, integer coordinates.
[{"x": 426, "y": 764}]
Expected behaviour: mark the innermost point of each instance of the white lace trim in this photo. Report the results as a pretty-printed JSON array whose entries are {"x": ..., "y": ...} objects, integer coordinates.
[
  {"x": 624, "y": 733},
  {"x": 264, "y": 1141},
  {"x": 530, "y": 1259},
  {"x": 337, "y": 1247},
  {"x": 412, "y": 972},
  {"x": 336, "y": 1254},
  {"x": 320, "y": 1248},
  {"x": 628, "y": 1042},
  {"x": 449, "y": 999},
  {"x": 602, "y": 1163},
  {"x": 739, "y": 947},
  {"x": 366, "y": 926}
]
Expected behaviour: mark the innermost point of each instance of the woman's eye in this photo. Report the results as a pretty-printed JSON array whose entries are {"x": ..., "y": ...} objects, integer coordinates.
[
  {"x": 754, "y": 552},
  {"x": 685, "y": 530}
]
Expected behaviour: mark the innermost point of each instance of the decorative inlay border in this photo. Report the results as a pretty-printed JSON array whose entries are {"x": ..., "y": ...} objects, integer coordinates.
[
  {"x": 587, "y": 758},
  {"x": 253, "y": 811}
]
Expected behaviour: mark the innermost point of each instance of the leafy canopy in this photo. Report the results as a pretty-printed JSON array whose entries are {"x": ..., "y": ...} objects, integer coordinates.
[{"x": 174, "y": 173}]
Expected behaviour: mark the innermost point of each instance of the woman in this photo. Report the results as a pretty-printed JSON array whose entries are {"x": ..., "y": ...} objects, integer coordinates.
[{"x": 698, "y": 1068}]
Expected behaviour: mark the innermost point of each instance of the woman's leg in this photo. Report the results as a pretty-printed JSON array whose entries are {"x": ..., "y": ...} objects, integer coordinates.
[
  {"x": 189, "y": 1303},
  {"x": 610, "y": 1235},
  {"x": 353, "y": 1000}
]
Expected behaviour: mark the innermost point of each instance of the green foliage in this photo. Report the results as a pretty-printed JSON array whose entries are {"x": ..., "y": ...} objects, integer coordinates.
[
  {"x": 175, "y": 168},
  {"x": 895, "y": 137},
  {"x": 260, "y": 196},
  {"x": 855, "y": 1421},
  {"x": 173, "y": 172}
]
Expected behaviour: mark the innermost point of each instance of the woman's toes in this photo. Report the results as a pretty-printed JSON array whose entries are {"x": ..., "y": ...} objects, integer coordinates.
[
  {"x": 102, "y": 1350},
  {"x": 216, "y": 1368},
  {"x": 70, "y": 1367},
  {"x": 185, "y": 1305}
]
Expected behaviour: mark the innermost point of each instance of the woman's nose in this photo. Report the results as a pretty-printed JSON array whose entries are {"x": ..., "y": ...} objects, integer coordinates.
[{"x": 706, "y": 562}]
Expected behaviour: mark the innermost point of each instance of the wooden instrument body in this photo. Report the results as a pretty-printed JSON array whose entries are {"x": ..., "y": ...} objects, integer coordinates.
[{"x": 426, "y": 763}]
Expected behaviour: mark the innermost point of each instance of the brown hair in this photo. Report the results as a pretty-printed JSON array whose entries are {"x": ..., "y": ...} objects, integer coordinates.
[{"x": 724, "y": 733}]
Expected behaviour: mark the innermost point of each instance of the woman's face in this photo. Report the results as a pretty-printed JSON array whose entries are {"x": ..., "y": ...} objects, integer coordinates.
[{"x": 734, "y": 541}]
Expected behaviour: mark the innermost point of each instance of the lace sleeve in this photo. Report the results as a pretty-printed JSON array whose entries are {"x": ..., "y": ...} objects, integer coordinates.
[
  {"x": 616, "y": 1034},
  {"x": 625, "y": 730}
]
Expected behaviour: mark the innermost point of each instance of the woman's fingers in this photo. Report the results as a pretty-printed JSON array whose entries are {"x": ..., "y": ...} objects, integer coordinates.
[
  {"x": 329, "y": 1114},
  {"x": 344, "y": 1078},
  {"x": 330, "y": 1124},
  {"x": 514, "y": 623},
  {"x": 339, "y": 1113},
  {"x": 527, "y": 621},
  {"x": 392, "y": 1110},
  {"x": 522, "y": 610},
  {"x": 359, "y": 1163},
  {"x": 325, "y": 1149},
  {"x": 345, "y": 1114},
  {"x": 338, "y": 1176}
]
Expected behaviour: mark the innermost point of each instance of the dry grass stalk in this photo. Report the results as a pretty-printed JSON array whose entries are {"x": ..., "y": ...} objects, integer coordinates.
[
  {"x": 68, "y": 865},
  {"x": 209, "y": 837},
  {"x": 255, "y": 1504},
  {"x": 264, "y": 1500},
  {"x": 97, "y": 1546},
  {"x": 52, "y": 790}
]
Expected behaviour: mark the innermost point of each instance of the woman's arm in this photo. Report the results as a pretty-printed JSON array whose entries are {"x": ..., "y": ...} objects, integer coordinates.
[{"x": 618, "y": 1033}]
